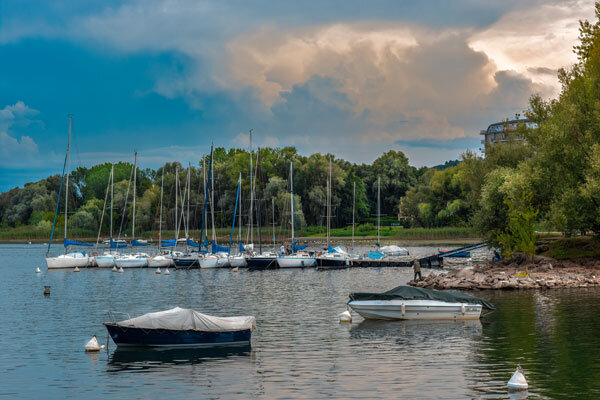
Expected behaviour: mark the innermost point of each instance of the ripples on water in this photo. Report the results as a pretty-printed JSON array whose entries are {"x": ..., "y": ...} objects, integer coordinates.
[{"x": 299, "y": 349}]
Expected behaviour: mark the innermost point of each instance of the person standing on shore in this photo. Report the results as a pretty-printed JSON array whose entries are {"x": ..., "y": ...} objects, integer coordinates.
[{"x": 417, "y": 269}]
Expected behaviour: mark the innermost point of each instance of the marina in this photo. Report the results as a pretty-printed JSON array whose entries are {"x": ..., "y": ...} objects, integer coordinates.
[{"x": 299, "y": 349}]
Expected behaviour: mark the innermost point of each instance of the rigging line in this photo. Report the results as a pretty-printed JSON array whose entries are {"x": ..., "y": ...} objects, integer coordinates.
[
  {"x": 57, "y": 204},
  {"x": 125, "y": 205},
  {"x": 103, "y": 209}
]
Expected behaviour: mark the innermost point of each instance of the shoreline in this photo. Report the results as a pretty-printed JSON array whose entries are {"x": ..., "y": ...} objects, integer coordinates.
[{"x": 539, "y": 273}]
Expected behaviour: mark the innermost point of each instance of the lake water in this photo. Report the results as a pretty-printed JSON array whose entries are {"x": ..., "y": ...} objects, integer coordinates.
[{"x": 298, "y": 350}]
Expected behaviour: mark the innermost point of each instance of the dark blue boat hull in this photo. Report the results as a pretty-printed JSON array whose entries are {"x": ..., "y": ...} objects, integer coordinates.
[
  {"x": 137, "y": 337},
  {"x": 261, "y": 263},
  {"x": 328, "y": 263},
  {"x": 186, "y": 263}
]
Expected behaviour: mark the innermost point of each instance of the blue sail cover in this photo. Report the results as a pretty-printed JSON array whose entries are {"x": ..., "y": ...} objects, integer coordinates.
[
  {"x": 296, "y": 248},
  {"x": 168, "y": 243},
  {"x": 242, "y": 249},
  {"x": 115, "y": 245},
  {"x": 191, "y": 243},
  {"x": 205, "y": 243},
  {"x": 216, "y": 248},
  {"x": 68, "y": 243},
  {"x": 375, "y": 255},
  {"x": 330, "y": 249},
  {"x": 136, "y": 243}
]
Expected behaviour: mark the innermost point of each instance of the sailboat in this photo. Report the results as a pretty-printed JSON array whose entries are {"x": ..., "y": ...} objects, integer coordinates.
[
  {"x": 238, "y": 260},
  {"x": 210, "y": 260},
  {"x": 67, "y": 260},
  {"x": 133, "y": 260},
  {"x": 299, "y": 259},
  {"x": 160, "y": 260},
  {"x": 107, "y": 259},
  {"x": 334, "y": 258},
  {"x": 266, "y": 260}
]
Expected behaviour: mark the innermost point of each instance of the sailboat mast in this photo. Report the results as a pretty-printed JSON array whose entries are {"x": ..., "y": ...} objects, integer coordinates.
[
  {"x": 67, "y": 180},
  {"x": 176, "y": 226},
  {"x": 240, "y": 216},
  {"x": 292, "y": 198},
  {"x": 258, "y": 207},
  {"x": 251, "y": 194},
  {"x": 134, "y": 189},
  {"x": 329, "y": 205},
  {"x": 378, "y": 207},
  {"x": 212, "y": 193},
  {"x": 204, "y": 181},
  {"x": 187, "y": 221},
  {"x": 112, "y": 195},
  {"x": 353, "y": 209},
  {"x": 273, "y": 210},
  {"x": 162, "y": 186}
]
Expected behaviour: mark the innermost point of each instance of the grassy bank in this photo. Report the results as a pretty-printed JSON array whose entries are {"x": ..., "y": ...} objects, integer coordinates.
[
  {"x": 572, "y": 248},
  {"x": 366, "y": 231}
]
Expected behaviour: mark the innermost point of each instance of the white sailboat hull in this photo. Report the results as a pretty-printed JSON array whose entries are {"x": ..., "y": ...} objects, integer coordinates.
[
  {"x": 209, "y": 262},
  {"x": 223, "y": 262},
  {"x": 296, "y": 262},
  {"x": 237, "y": 261},
  {"x": 415, "y": 309},
  {"x": 70, "y": 260},
  {"x": 131, "y": 261},
  {"x": 159, "y": 262},
  {"x": 105, "y": 261}
]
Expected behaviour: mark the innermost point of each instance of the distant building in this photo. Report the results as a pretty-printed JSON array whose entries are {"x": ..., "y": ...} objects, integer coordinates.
[{"x": 497, "y": 132}]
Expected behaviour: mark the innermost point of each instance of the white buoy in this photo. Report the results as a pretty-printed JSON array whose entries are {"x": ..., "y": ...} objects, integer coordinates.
[
  {"x": 92, "y": 345},
  {"x": 37, "y": 270},
  {"x": 76, "y": 269},
  {"x": 121, "y": 270},
  {"x": 517, "y": 380},
  {"x": 345, "y": 316},
  {"x": 157, "y": 271},
  {"x": 167, "y": 272},
  {"x": 236, "y": 269},
  {"x": 114, "y": 269}
]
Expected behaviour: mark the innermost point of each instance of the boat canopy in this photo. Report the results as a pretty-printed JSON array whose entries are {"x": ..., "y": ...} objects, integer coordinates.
[
  {"x": 375, "y": 255},
  {"x": 168, "y": 243},
  {"x": 115, "y": 245},
  {"x": 393, "y": 249},
  {"x": 136, "y": 243},
  {"x": 336, "y": 249},
  {"x": 417, "y": 293},
  {"x": 68, "y": 243},
  {"x": 216, "y": 248},
  {"x": 185, "y": 319},
  {"x": 242, "y": 249}
]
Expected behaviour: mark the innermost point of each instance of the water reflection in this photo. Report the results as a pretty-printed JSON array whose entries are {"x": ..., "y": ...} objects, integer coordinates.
[
  {"x": 136, "y": 359},
  {"x": 415, "y": 331}
]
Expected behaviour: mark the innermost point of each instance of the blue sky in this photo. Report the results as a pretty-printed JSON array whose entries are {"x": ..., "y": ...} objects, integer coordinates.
[{"x": 165, "y": 77}]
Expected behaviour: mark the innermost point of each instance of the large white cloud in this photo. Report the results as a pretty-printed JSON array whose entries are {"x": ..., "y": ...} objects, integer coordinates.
[{"x": 16, "y": 151}]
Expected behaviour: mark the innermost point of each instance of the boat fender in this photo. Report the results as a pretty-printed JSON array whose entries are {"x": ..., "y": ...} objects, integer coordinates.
[
  {"x": 76, "y": 269},
  {"x": 167, "y": 272},
  {"x": 463, "y": 309},
  {"x": 157, "y": 271},
  {"x": 517, "y": 380},
  {"x": 114, "y": 269},
  {"x": 345, "y": 316},
  {"x": 37, "y": 270},
  {"x": 92, "y": 345},
  {"x": 403, "y": 309},
  {"x": 236, "y": 269},
  {"x": 121, "y": 270}
]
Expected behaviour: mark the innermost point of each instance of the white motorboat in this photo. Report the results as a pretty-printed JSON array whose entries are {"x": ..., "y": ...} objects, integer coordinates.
[
  {"x": 106, "y": 260},
  {"x": 132, "y": 261},
  {"x": 333, "y": 260},
  {"x": 69, "y": 260},
  {"x": 159, "y": 261},
  {"x": 209, "y": 261},
  {"x": 407, "y": 302},
  {"x": 298, "y": 260}
]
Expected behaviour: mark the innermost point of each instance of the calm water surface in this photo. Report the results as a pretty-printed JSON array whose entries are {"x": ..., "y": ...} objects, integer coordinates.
[{"x": 299, "y": 349}]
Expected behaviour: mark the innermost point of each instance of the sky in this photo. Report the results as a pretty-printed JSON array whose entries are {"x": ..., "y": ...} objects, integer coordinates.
[{"x": 351, "y": 78}]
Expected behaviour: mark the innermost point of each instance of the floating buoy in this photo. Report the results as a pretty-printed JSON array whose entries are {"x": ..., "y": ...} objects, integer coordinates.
[
  {"x": 76, "y": 269},
  {"x": 121, "y": 270},
  {"x": 46, "y": 290},
  {"x": 92, "y": 345},
  {"x": 517, "y": 380},
  {"x": 114, "y": 269},
  {"x": 236, "y": 269},
  {"x": 167, "y": 272},
  {"x": 37, "y": 270},
  {"x": 157, "y": 271},
  {"x": 345, "y": 316},
  {"x": 102, "y": 347}
]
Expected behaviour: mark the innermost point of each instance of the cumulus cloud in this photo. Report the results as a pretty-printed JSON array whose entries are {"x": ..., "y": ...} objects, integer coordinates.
[{"x": 21, "y": 151}]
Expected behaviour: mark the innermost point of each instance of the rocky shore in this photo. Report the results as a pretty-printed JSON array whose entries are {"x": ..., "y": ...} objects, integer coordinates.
[{"x": 518, "y": 273}]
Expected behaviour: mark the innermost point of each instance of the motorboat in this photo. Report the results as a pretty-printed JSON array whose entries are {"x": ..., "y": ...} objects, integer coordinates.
[
  {"x": 181, "y": 327},
  {"x": 69, "y": 260},
  {"x": 159, "y": 261},
  {"x": 298, "y": 260},
  {"x": 139, "y": 260},
  {"x": 106, "y": 260},
  {"x": 408, "y": 302},
  {"x": 267, "y": 260},
  {"x": 333, "y": 261},
  {"x": 393, "y": 251}
]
